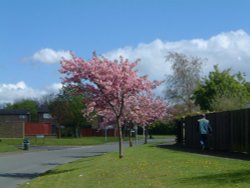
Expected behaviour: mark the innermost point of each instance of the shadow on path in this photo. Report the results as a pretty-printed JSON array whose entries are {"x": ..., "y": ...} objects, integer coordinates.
[
  {"x": 87, "y": 155},
  {"x": 52, "y": 164},
  {"x": 20, "y": 175},
  {"x": 51, "y": 148},
  {"x": 230, "y": 155}
]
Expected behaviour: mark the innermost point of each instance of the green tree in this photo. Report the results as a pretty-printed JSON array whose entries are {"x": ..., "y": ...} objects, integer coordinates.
[
  {"x": 247, "y": 84},
  {"x": 76, "y": 106},
  {"x": 67, "y": 110},
  {"x": 222, "y": 90},
  {"x": 186, "y": 75},
  {"x": 25, "y": 104}
]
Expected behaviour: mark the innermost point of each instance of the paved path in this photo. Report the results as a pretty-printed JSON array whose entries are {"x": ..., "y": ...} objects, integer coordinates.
[{"x": 18, "y": 168}]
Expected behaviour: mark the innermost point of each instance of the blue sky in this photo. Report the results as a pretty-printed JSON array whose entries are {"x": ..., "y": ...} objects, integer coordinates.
[{"x": 34, "y": 34}]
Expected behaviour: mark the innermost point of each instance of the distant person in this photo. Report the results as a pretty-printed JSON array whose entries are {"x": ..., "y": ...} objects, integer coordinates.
[{"x": 204, "y": 129}]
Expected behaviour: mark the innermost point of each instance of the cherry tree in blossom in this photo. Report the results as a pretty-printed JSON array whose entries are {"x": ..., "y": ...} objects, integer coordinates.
[
  {"x": 156, "y": 110},
  {"x": 144, "y": 110},
  {"x": 106, "y": 85}
]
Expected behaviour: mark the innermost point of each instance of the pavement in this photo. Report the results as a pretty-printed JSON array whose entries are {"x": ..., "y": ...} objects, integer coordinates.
[{"x": 20, "y": 167}]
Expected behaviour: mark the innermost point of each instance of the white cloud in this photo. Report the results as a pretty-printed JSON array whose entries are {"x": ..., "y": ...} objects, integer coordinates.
[
  {"x": 12, "y": 92},
  {"x": 50, "y": 56},
  {"x": 54, "y": 87},
  {"x": 228, "y": 49}
]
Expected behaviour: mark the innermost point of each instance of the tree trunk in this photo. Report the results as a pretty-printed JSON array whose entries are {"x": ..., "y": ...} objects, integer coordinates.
[
  {"x": 130, "y": 138},
  {"x": 120, "y": 138},
  {"x": 76, "y": 132},
  {"x": 59, "y": 132},
  {"x": 146, "y": 135}
]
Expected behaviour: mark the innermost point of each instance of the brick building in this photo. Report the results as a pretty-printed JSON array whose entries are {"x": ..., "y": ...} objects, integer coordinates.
[
  {"x": 17, "y": 123},
  {"x": 16, "y": 115}
]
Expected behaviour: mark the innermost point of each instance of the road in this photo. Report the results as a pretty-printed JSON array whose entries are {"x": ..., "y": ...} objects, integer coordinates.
[{"x": 18, "y": 168}]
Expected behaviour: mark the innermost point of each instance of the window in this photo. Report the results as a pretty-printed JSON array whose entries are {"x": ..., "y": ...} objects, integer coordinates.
[
  {"x": 22, "y": 116},
  {"x": 46, "y": 116}
]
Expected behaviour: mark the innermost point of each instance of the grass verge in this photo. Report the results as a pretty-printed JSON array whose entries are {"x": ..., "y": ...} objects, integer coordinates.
[
  {"x": 147, "y": 166},
  {"x": 14, "y": 144},
  {"x": 7, "y": 148},
  {"x": 83, "y": 141}
]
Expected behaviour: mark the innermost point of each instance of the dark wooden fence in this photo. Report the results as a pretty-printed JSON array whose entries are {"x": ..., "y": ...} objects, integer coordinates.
[{"x": 231, "y": 131}]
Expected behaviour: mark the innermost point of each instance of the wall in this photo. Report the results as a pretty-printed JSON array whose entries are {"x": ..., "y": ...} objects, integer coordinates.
[
  {"x": 37, "y": 128},
  {"x": 11, "y": 129},
  {"x": 96, "y": 132},
  {"x": 10, "y": 118},
  {"x": 231, "y": 131}
]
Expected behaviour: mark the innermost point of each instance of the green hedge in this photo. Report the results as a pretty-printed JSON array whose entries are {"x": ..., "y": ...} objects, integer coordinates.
[{"x": 161, "y": 128}]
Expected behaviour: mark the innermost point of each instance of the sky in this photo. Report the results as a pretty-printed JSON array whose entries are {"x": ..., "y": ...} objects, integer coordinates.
[{"x": 36, "y": 34}]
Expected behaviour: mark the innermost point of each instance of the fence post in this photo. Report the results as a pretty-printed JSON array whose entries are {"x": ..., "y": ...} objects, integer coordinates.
[
  {"x": 246, "y": 131},
  {"x": 179, "y": 136},
  {"x": 231, "y": 132}
]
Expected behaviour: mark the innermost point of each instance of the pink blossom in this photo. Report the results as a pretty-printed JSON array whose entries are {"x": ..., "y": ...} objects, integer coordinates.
[{"x": 113, "y": 90}]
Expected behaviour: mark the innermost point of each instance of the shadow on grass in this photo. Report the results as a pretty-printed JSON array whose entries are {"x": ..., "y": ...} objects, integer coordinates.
[
  {"x": 223, "y": 178},
  {"x": 55, "y": 172},
  {"x": 34, "y": 175},
  {"x": 229, "y": 155},
  {"x": 241, "y": 176}
]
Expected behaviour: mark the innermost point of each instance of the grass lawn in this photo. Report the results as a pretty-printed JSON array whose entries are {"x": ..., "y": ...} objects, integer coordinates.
[
  {"x": 10, "y": 144},
  {"x": 83, "y": 141},
  {"x": 7, "y": 148},
  {"x": 147, "y": 166}
]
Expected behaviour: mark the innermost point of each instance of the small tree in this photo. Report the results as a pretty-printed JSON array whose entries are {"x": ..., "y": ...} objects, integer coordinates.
[
  {"x": 59, "y": 110},
  {"x": 186, "y": 75},
  {"x": 67, "y": 110},
  {"x": 26, "y": 104},
  {"x": 222, "y": 90},
  {"x": 153, "y": 109},
  {"x": 106, "y": 85},
  {"x": 141, "y": 110}
]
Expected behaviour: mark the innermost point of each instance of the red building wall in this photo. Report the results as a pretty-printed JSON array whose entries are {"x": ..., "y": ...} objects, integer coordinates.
[
  {"x": 97, "y": 132},
  {"x": 37, "y": 128}
]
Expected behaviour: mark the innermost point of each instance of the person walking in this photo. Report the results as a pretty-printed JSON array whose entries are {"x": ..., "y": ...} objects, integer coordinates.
[{"x": 204, "y": 129}]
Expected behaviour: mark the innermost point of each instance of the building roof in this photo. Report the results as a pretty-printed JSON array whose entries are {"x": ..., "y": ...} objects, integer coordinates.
[
  {"x": 14, "y": 112},
  {"x": 43, "y": 109}
]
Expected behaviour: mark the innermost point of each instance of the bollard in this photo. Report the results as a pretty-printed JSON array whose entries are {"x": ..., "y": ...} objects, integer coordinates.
[{"x": 26, "y": 144}]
